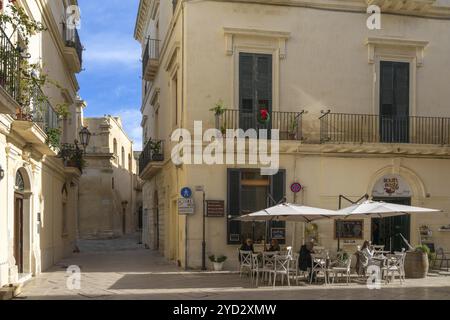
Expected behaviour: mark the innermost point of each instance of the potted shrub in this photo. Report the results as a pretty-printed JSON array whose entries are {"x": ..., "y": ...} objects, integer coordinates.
[
  {"x": 417, "y": 263},
  {"x": 155, "y": 147},
  {"x": 218, "y": 110},
  {"x": 218, "y": 262}
]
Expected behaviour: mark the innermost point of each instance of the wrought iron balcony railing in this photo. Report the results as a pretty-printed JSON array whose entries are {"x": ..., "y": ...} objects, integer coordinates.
[
  {"x": 72, "y": 156},
  {"x": 365, "y": 128},
  {"x": 151, "y": 52},
  {"x": 288, "y": 123},
  {"x": 72, "y": 39},
  {"x": 10, "y": 60},
  {"x": 153, "y": 152},
  {"x": 39, "y": 111}
]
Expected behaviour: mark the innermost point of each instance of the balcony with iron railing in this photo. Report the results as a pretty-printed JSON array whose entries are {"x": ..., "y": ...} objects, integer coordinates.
[
  {"x": 366, "y": 128},
  {"x": 10, "y": 60},
  {"x": 150, "y": 59},
  {"x": 289, "y": 124},
  {"x": 151, "y": 159},
  {"x": 74, "y": 49}
]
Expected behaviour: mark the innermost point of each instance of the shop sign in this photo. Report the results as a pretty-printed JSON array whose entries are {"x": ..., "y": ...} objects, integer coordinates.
[
  {"x": 392, "y": 186},
  {"x": 215, "y": 208}
]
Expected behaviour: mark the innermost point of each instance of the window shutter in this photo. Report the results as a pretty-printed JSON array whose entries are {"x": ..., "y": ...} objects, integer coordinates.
[
  {"x": 234, "y": 205},
  {"x": 278, "y": 187},
  {"x": 278, "y": 192},
  {"x": 264, "y": 81},
  {"x": 246, "y": 83}
]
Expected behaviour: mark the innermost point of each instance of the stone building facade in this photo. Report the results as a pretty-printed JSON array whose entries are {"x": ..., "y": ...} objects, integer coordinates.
[
  {"x": 109, "y": 193},
  {"x": 360, "y": 111},
  {"x": 38, "y": 193}
]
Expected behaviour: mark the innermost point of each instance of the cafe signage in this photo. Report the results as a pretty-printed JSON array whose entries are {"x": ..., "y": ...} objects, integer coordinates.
[
  {"x": 392, "y": 185},
  {"x": 215, "y": 208}
]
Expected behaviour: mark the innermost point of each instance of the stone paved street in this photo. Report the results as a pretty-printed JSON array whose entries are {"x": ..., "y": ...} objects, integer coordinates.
[{"x": 122, "y": 269}]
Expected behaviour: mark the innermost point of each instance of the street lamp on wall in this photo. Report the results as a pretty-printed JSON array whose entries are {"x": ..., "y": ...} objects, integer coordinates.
[
  {"x": 85, "y": 137},
  {"x": 2, "y": 173}
]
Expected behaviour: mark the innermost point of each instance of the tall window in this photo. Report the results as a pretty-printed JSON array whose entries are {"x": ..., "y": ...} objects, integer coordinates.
[
  {"x": 255, "y": 88},
  {"x": 394, "y": 101},
  {"x": 116, "y": 155},
  {"x": 130, "y": 163},
  {"x": 175, "y": 99},
  {"x": 64, "y": 229},
  {"x": 248, "y": 192},
  {"x": 123, "y": 157}
]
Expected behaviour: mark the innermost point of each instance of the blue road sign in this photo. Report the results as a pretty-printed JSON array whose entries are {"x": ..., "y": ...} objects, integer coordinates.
[{"x": 186, "y": 193}]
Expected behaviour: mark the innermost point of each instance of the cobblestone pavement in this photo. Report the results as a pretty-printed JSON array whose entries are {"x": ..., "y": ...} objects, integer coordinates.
[{"x": 122, "y": 269}]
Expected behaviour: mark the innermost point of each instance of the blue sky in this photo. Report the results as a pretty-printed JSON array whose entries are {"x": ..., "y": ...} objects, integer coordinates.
[{"x": 111, "y": 81}]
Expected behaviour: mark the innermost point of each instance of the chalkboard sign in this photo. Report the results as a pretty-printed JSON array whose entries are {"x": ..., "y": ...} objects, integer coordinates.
[
  {"x": 278, "y": 233},
  {"x": 349, "y": 229}
]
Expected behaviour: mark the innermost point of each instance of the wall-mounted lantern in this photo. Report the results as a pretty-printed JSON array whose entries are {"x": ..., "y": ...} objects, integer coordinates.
[{"x": 2, "y": 173}]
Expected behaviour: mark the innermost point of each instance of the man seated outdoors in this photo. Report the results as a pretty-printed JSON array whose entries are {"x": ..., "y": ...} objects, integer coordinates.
[
  {"x": 274, "y": 246},
  {"x": 305, "y": 258}
]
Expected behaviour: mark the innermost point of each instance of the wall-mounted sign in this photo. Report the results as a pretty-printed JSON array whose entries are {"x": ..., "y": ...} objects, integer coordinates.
[
  {"x": 296, "y": 187},
  {"x": 349, "y": 229},
  {"x": 278, "y": 233},
  {"x": 215, "y": 208},
  {"x": 392, "y": 186},
  {"x": 186, "y": 206},
  {"x": 186, "y": 193}
]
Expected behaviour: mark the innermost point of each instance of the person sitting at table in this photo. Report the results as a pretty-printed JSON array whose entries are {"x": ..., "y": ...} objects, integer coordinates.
[
  {"x": 364, "y": 255},
  {"x": 367, "y": 250},
  {"x": 274, "y": 246},
  {"x": 246, "y": 246},
  {"x": 305, "y": 258}
]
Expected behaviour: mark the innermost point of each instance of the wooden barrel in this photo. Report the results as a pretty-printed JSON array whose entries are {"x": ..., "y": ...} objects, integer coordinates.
[{"x": 416, "y": 265}]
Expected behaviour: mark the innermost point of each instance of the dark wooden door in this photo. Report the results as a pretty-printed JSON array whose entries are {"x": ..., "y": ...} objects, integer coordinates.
[
  {"x": 394, "y": 102},
  {"x": 389, "y": 231},
  {"x": 18, "y": 231},
  {"x": 255, "y": 89}
]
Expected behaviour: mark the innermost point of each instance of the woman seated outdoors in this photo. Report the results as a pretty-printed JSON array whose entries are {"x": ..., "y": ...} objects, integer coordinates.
[
  {"x": 274, "y": 246},
  {"x": 364, "y": 256}
]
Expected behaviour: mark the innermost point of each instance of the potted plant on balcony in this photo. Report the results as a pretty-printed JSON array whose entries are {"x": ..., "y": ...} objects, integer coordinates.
[
  {"x": 416, "y": 263},
  {"x": 156, "y": 150},
  {"x": 53, "y": 137},
  {"x": 218, "y": 110},
  {"x": 218, "y": 262},
  {"x": 293, "y": 129}
]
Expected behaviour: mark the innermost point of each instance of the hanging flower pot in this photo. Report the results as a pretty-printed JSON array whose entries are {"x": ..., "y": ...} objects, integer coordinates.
[{"x": 264, "y": 116}]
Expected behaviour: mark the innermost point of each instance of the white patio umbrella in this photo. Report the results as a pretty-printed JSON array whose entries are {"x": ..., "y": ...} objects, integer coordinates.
[
  {"x": 290, "y": 212},
  {"x": 381, "y": 209}
]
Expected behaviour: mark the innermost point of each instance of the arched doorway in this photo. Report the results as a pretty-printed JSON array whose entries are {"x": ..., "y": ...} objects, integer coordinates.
[
  {"x": 22, "y": 241},
  {"x": 391, "y": 231},
  {"x": 156, "y": 220}
]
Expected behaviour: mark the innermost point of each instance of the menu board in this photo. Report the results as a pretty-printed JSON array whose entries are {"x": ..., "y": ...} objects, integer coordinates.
[{"x": 349, "y": 229}]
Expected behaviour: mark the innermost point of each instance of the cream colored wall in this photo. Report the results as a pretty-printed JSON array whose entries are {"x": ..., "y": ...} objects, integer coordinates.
[
  {"x": 44, "y": 243},
  {"x": 326, "y": 67},
  {"x": 4, "y": 238},
  {"x": 319, "y": 72}
]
